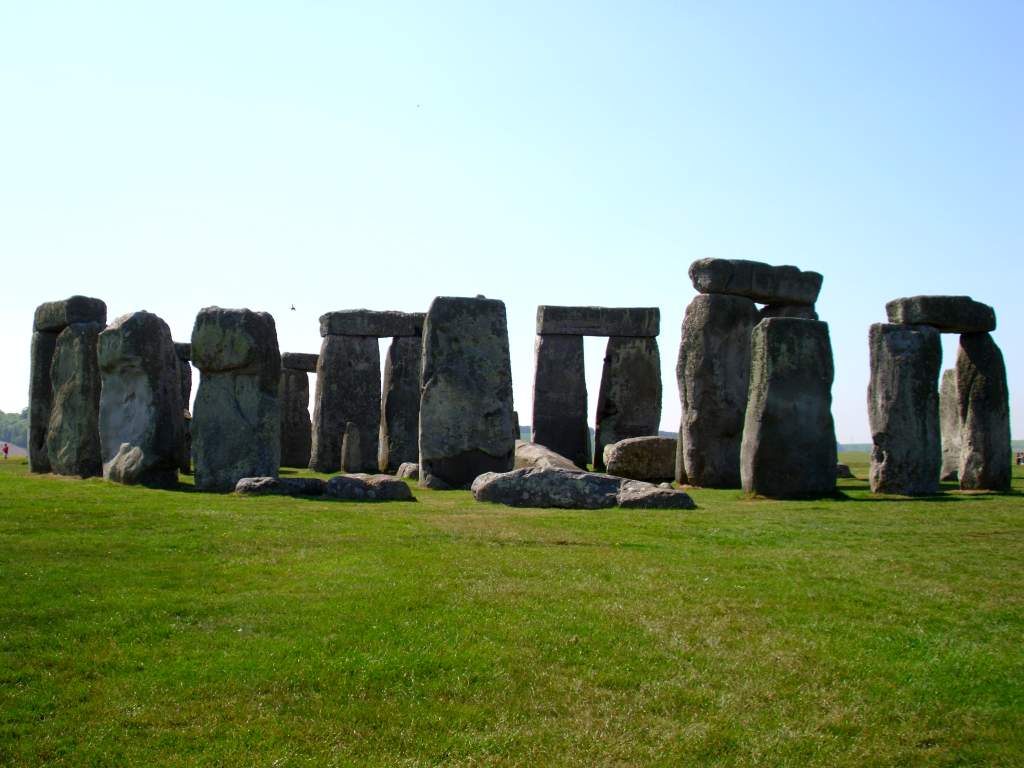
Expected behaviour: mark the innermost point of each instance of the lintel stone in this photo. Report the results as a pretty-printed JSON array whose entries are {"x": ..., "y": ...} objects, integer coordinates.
[
  {"x": 950, "y": 314},
  {"x": 598, "y": 321},
  {"x": 58, "y": 315},
  {"x": 299, "y": 361},
  {"x": 366, "y": 322}
]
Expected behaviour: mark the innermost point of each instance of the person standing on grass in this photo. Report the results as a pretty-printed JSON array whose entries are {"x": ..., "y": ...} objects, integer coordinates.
[{"x": 5, "y": 449}]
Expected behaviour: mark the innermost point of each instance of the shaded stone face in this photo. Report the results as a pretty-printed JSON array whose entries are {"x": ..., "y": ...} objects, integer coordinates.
[
  {"x": 598, "y": 321},
  {"x": 347, "y": 390},
  {"x": 950, "y": 314},
  {"x": 984, "y": 414},
  {"x": 466, "y": 422},
  {"x": 789, "y": 445},
  {"x": 185, "y": 381},
  {"x": 55, "y": 316},
  {"x": 400, "y": 404},
  {"x": 949, "y": 426},
  {"x": 40, "y": 398},
  {"x": 763, "y": 283},
  {"x": 713, "y": 373},
  {"x": 903, "y": 409},
  {"x": 802, "y": 311},
  {"x": 236, "y": 426},
  {"x": 296, "y": 427},
  {"x": 629, "y": 401},
  {"x": 141, "y": 417},
  {"x": 365, "y": 322},
  {"x": 72, "y": 437},
  {"x": 183, "y": 350},
  {"x": 299, "y": 361},
  {"x": 560, "y": 398}
]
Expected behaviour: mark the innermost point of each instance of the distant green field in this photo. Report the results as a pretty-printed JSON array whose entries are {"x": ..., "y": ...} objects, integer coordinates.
[{"x": 180, "y": 628}]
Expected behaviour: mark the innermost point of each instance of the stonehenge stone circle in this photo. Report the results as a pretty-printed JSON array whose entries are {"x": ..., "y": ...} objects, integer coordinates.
[
  {"x": 141, "y": 413},
  {"x": 713, "y": 373},
  {"x": 651, "y": 459},
  {"x": 296, "y": 427},
  {"x": 629, "y": 401},
  {"x": 789, "y": 444},
  {"x": 560, "y": 398},
  {"x": 763, "y": 283},
  {"x": 903, "y": 409},
  {"x": 950, "y": 314},
  {"x": 236, "y": 427},
  {"x": 73, "y": 436},
  {"x": 984, "y": 402},
  {"x": 400, "y": 404},
  {"x": 466, "y": 422},
  {"x": 949, "y": 426}
]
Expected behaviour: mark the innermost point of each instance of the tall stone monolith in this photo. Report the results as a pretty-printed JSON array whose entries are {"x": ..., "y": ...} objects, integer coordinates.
[
  {"x": 73, "y": 436},
  {"x": 629, "y": 400},
  {"x": 949, "y": 426},
  {"x": 984, "y": 401},
  {"x": 400, "y": 404},
  {"x": 560, "y": 398},
  {"x": 296, "y": 427},
  {"x": 347, "y": 390}
]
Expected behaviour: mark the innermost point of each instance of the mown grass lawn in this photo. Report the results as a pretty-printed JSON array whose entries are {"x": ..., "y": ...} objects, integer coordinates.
[{"x": 142, "y": 627}]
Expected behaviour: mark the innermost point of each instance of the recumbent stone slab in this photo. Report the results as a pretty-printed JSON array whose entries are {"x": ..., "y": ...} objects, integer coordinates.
[
  {"x": 573, "y": 489},
  {"x": 598, "y": 321},
  {"x": 949, "y": 426},
  {"x": 984, "y": 414},
  {"x": 347, "y": 390},
  {"x": 560, "y": 398},
  {"x": 400, "y": 404},
  {"x": 950, "y": 314},
  {"x": 629, "y": 401},
  {"x": 651, "y": 458},
  {"x": 73, "y": 435},
  {"x": 758, "y": 281},
  {"x": 534, "y": 455},
  {"x": 366, "y": 322}
]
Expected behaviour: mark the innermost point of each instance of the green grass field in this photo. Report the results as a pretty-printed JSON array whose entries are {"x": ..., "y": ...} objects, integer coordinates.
[{"x": 143, "y": 627}]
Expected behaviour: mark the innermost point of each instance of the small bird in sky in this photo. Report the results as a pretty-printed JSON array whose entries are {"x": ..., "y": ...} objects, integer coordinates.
[{"x": 293, "y": 307}]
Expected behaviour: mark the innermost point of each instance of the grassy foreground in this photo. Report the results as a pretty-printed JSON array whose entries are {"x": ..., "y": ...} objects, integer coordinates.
[{"x": 143, "y": 627}]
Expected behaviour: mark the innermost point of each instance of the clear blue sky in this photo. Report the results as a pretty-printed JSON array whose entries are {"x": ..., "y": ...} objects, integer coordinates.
[{"x": 340, "y": 155}]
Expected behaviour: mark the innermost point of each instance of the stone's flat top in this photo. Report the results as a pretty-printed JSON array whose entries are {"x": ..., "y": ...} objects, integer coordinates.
[
  {"x": 952, "y": 314},
  {"x": 183, "y": 350},
  {"x": 598, "y": 321},
  {"x": 235, "y": 339},
  {"x": 758, "y": 281},
  {"x": 299, "y": 361},
  {"x": 57, "y": 315},
  {"x": 368, "y": 322}
]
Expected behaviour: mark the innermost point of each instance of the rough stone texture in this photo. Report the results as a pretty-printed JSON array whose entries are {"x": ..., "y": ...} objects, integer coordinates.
[
  {"x": 950, "y": 314},
  {"x": 843, "y": 471},
  {"x": 713, "y": 372},
  {"x": 55, "y": 316},
  {"x": 560, "y": 398},
  {"x": 183, "y": 350},
  {"x": 533, "y": 455},
  {"x": 408, "y": 471},
  {"x": 185, "y": 379},
  {"x": 629, "y": 401},
  {"x": 466, "y": 424},
  {"x": 802, "y": 311},
  {"x": 984, "y": 402},
  {"x": 680, "y": 476},
  {"x": 639, "y": 495},
  {"x": 296, "y": 427},
  {"x": 40, "y": 399},
  {"x": 903, "y": 409},
  {"x": 400, "y": 404},
  {"x": 284, "y": 486},
  {"x": 347, "y": 389},
  {"x": 351, "y": 454},
  {"x": 363, "y": 487},
  {"x": 366, "y": 322},
  {"x": 652, "y": 459},
  {"x": 598, "y": 321},
  {"x": 236, "y": 426},
  {"x": 763, "y": 283},
  {"x": 566, "y": 489},
  {"x": 949, "y": 426},
  {"x": 789, "y": 443},
  {"x": 299, "y": 361},
  {"x": 141, "y": 416},
  {"x": 73, "y": 435}
]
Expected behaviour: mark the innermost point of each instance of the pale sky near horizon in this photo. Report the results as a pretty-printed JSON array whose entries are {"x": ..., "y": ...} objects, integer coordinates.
[{"x": 343, "y": 155}]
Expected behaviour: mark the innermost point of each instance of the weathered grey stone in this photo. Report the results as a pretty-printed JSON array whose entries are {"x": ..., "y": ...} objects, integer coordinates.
[
  {"x": 347, "y": 389},
  {"x": 903, "y": 409},
  {"x": 598, "y": 321},
  {"x": 651, "y": 459},
  {"x": 57, "y": 315},
  {"x": 366, "y": 322},
  {"x": 364, "y": 487},
  {"x": 466, "y": 403},
  {"x": 183, "y": 351},
  {"x": 560, "y": 398},
  {"x": 789, "y": 443},
  {"x": 950, "y": 314},
  {"x": 284, "y": 486},
  {"x": 984, "y": 401},
  {"x": 758, "y": 281},
  {"x": 713, "y": 371},
  {"x": 409, "y": 470},
  {"x": 185, "y": 465},
  {"x": 565, "y": 489},
  {"x": 236, "y": 426},
  {"x": 400, "y": 404},
  {"x": 40, "y": 399},
  {"x": 629, "y": 401},
  {"x": 73, "y": 436},
  {"x": 185, "y": 381},
  {"x": 680, "y": 476},
  {"x": 534, "y": 455},
  {"x": 296, "y": 427},
  {"x": 634, "y": 494},
  {"x": 141, "y": 420},
  {"x": 802, "y": 311},
  {"x": 351, "y": 455},
  {"x": 843, "y": 471},
  {"x": 299, "y": 361},
  {"x": 949, "y": 426}
]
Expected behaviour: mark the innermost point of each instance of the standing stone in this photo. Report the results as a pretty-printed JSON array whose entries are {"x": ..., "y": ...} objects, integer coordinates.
[
  {"x": 236, "y": 427},
  {"x": 40, "y": 398},
  {"x": 184, "y": 354},
  {"x": 140, "y": 417},
  {"x": 466, "y": 403},
  {"x": 73, "y": 436},
  {"x": 296, "y": 428},
  {"x": 400, "y": 404},
  {"x": 789, "y": 442},
  {"x": 903, "y": 409},
  {"x": 681, "y": 477},
  {"x": 351, "y": 455},
  {"x": 984, "y": 414},
  {"x": 949, "y": 426},
  {"x": 629, "y": 401},
  {"x": 347, "y": 389},
  {"x": 560, "y": 398},
  {"x": 713, "y": 373}
]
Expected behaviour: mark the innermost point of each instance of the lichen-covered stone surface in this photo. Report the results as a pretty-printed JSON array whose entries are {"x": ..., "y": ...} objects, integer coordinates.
[
  {"x": 400, "y": 404},
  {"x": 984, "y": 401},
  {"x": 280, "y": 486},
  {"x": 365, "y": 487},
  {"x": 651, "y": 458},
  {"x": 55, "y": 316},
  {"x": 73, "y": 435},
  {"x": 573, "y": 489},
  {"x": 755, "y": 280},
  {"x": 629, "y": 400},
  {"x": 950, "y": 314},
  {"x": 560, "y": 398}
]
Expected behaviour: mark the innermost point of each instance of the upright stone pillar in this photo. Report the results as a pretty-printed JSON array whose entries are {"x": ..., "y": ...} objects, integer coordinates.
[
  {"x": 400, "y": 404},
  {"x": 560, "y": 398},
  {"x": 713, "y": 373},
  {"x": 629, "y": 401},
  {"x": 903, "y": 409},
  {"x": 347, "y": 390},
  {"x": 949, "y": 426},
  {"x": 140, "y": 417},
  {"x": 296, "y": 428},
  {"x": 789, "y": 443},
  {"x": 984, "y": 414},
  {"x": 73, "y": 436},
  {"x": 236, "y": 427},
  {"x": 183, "y": 351},
  {"x": 466, "y": 423}
]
